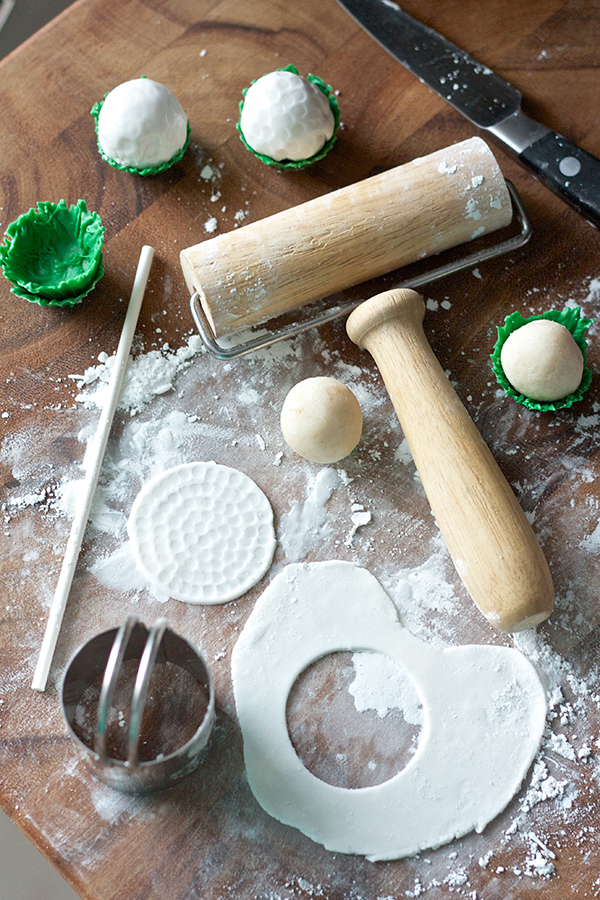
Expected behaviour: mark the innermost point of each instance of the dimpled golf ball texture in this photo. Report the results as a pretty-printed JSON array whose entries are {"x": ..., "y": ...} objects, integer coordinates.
[
  {"x": 141, "y": 124},
  {"x": 285, "y": 116},
  {"x": 202, "y": 532}
]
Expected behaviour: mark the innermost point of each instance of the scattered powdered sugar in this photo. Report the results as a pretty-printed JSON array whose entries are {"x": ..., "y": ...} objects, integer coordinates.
[
  {"x": 360, "y": 517},
  {"x": 118, "y": 570},
  {"x": 403, "y": 454},
  {"x": 110, "y": 804},
  {"x": 174, "y": 408},
  {"x": 307, "y": 523},
  {"x": 445, "y": 169},
  {"x": 472, "y": 210},
  {"x": 423, "y": 594},
  {"x": 147, "y": 376},
  {"x": 381, "y": 685}
]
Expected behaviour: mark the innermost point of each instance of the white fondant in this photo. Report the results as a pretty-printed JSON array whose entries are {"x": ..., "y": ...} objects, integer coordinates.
[
  {"x": 484, "y": 717},
  {"x": 141, "y": 123},
  {"x": 285, "y": 116},
  {"x": 202, "y": 532}
]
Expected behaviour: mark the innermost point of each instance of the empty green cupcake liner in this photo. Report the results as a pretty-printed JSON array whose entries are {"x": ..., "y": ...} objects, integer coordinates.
[
  {"x": 144, "y": 170},
  {"x": 298, "y": 163},
  {"x": 52, "y": 255},
  {"x": 572, "y": 319}
]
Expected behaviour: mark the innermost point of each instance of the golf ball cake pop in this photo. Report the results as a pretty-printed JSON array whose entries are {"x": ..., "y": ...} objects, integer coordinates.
[
  {"x": 141, "y": 127},
  {"x": 321, "y": 419},
  {"x": 288, "y": 119}
]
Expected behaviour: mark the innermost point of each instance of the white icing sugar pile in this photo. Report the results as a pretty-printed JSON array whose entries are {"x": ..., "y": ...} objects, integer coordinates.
[
  {"x": 147, "y": 375},
  {"x": 308, "y": 523}
]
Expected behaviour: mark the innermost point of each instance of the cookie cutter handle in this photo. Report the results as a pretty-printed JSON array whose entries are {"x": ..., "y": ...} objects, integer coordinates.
[
  {"x": 140, "y": 690},
  {"x": 109, "y": 683}
]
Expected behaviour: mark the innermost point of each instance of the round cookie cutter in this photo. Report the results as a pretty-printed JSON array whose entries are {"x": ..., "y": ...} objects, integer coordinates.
[{"x": 140, "y": 704}]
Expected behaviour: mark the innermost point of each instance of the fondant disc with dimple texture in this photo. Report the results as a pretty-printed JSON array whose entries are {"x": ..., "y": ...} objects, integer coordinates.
[{"x": 202, "y": 532}]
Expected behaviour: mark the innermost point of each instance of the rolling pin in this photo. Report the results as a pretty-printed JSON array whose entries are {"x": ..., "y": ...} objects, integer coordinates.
[
  {"x": 487, "y": 533},
  {"x": 348, "y": 236}
]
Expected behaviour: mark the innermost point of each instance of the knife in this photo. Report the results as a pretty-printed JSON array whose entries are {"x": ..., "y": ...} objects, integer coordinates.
[{"x": 486, "y": 100}]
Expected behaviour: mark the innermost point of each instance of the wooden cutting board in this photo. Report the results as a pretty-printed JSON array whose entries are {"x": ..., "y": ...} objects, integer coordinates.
[{"x": 208, "y": 838}]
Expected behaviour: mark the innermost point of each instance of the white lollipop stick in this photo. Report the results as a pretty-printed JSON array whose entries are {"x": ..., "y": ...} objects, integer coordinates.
[{"x": 89, "y": 485}]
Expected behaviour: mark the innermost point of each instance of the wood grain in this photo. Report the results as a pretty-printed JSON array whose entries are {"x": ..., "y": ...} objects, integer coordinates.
[
  {"x": 487, "y": 533},
  {"x": 208, "y": 838},
  {"x": 346, "y": 237}
]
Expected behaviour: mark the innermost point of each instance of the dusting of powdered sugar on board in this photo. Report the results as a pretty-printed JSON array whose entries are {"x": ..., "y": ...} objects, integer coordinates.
[{"x": 179, "y": 405}]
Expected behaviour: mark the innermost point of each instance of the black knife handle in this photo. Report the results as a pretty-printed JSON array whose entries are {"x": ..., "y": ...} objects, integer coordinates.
[{"x": 567, "y": 170}]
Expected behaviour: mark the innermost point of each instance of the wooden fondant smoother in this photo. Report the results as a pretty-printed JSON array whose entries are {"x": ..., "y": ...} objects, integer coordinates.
[
  {"x": 348, "y": 236},
  {"x": 485, "y": 529}
]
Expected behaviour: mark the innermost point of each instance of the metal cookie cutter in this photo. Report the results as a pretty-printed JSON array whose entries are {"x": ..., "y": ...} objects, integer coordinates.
[{"x": 140, "y": 704}]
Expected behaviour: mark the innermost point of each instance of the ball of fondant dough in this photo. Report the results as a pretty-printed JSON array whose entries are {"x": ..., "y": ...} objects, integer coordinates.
[
  {"x": 321, "y": 419},
  {"x": 141, "y": 123},
  {"x": 542, "y": 361}
]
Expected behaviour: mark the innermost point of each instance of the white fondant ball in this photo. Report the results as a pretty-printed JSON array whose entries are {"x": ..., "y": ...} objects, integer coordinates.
[
  {"x": 321, "y": 419},
  {"x": 542, "y": 361},
  {"x": 285, "y": 116},
  {"x": 141, "y": 123}
]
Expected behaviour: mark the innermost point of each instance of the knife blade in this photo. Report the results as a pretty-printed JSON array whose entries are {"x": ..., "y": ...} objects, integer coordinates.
[{"x": 486, "y": 100}]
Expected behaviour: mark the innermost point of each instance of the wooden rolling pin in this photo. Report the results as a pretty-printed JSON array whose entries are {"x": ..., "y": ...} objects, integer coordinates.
[
  {"x": 487, "y": 533},
  {"x": 348, "y": 236}
]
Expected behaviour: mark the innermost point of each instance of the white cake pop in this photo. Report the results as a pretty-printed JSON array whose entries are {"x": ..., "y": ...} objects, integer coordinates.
[
  {"x": 542, "y": 360},
  {"x": 141, "y": 124},
  {"x": 286, "y": 117}
]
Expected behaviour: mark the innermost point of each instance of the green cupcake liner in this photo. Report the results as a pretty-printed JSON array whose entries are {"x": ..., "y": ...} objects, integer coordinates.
[
  {"x": 297, "y": 163},
  {"x": 144, "y": 170},
  {"x": 52, "y": 255},
  {"x": 572, "y": 319},
  {"x": 66, "y": 301}
]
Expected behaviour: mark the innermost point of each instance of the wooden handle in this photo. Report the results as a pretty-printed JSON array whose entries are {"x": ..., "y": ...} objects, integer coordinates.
[
  {"x": 487, "y": 533},
  {"x": 348, "y": 236}
]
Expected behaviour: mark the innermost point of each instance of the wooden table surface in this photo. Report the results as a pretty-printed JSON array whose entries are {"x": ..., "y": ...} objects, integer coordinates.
[{"x": 208, "y": 837}]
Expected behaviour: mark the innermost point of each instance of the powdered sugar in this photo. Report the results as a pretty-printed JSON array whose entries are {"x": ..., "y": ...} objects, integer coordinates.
[
  {"x": 179, "y": 405},
  {"x": 147, "y": 376},
  {"x": 381, "y": 685},
  {"x": 307, "y": 523}
]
